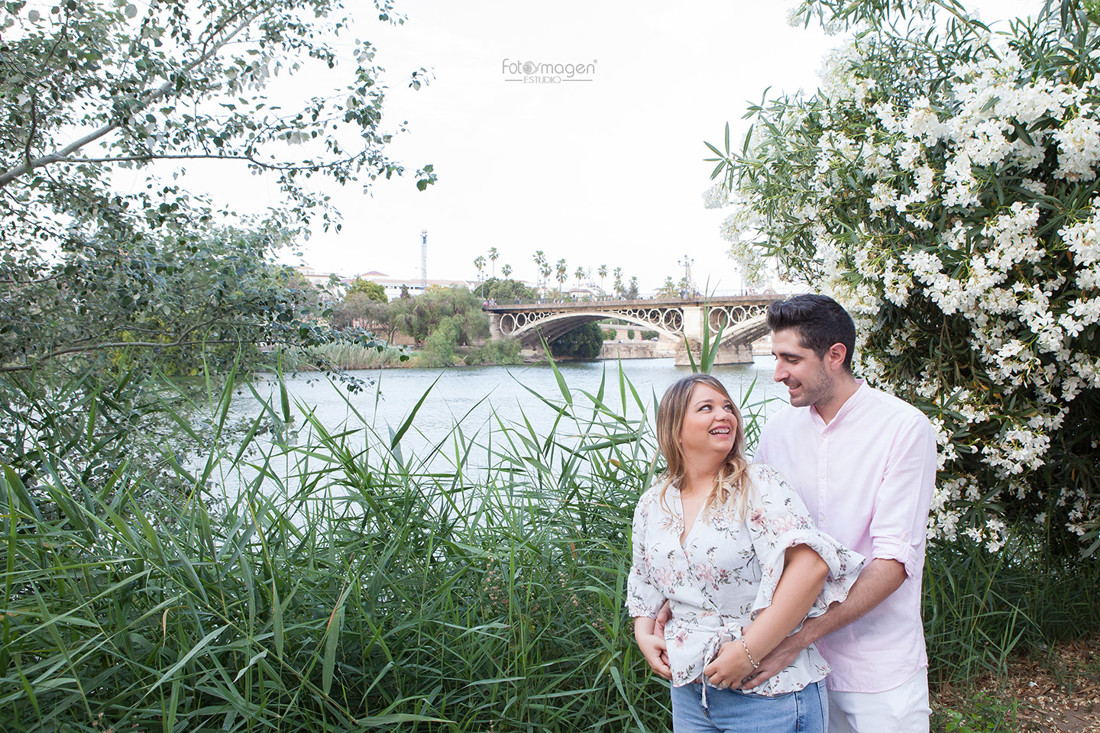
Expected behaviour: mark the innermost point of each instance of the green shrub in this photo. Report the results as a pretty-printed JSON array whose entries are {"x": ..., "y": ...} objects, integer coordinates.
[
  {"x": 942, "y": 185},
  {"x": 504, "y": 351}
]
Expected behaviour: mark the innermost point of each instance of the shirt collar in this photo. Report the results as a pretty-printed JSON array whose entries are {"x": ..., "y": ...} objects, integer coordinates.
[{"x": 849, "y": 405}]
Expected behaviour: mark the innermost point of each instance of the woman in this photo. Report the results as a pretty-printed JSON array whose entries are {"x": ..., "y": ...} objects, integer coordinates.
[{"x": 733, "y": 550}]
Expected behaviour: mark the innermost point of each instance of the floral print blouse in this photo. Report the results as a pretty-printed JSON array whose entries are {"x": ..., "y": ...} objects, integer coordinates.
[{"x": 726, "y": 571}]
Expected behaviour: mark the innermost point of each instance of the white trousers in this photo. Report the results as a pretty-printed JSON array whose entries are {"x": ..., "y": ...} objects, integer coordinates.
[{"x": 903, "y": 709}]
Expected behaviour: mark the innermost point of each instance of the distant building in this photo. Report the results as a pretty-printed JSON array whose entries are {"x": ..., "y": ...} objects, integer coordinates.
[
  {"x": 324, "y": 282},
  {"x": 413, "y": 285}
]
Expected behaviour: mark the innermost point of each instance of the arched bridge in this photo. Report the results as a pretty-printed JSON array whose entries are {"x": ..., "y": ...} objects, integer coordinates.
[{"x": 739, "y": 318}]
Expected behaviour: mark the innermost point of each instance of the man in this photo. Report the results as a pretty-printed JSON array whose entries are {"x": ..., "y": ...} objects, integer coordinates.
[{"x": 864, "y": 462}]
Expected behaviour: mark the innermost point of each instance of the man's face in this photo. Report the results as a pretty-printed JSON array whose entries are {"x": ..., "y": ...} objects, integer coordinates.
[{"x": 804, "y": 373}]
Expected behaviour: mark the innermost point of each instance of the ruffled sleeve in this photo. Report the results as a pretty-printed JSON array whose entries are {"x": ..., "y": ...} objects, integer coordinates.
[
  {"x": 642, "y": 597},
  {"x": 777, "y": 520}
]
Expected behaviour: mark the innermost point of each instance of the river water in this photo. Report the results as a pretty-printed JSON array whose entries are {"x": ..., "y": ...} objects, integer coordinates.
[{"x": 476, "y": 397}]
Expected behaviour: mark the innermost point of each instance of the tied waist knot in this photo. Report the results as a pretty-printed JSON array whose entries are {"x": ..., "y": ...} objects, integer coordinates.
[{"x": 731, "y": 631}]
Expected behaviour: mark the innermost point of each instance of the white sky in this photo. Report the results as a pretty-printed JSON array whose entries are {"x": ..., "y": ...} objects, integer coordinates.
[{"x": 605, "y": 172}]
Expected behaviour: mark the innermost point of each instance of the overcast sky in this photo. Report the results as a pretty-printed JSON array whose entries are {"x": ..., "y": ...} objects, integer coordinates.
[{"x": 602, "y": 172}]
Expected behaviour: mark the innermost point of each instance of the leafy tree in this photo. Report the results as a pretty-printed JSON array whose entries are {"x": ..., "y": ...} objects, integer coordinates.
[
  {"x": 92, "y": 88},
  {"x": 439, "y": 347},
  {"x": 360, "y": 310},
  {"x": 583, "y": 342},
  {"x": 630, "y": 334},
  {"x": 368, "y": 288},
  {"x": 631, "y": 292},
  {"x": 502, "y": 351},
  {"x": 455, "y": 306},
  {"x": 102, "y": 287},
  {"x": 668, "y": 289},
  {"x": 649, "y": 335},
  {"x": 507, "y": 291}
]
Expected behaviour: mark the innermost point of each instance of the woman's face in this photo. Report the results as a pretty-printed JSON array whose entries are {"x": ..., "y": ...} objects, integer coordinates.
[{"x": 710, "y": 425}]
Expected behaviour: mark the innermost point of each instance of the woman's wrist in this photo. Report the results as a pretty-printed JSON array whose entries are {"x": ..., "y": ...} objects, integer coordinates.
[{"x": 748, "y": 653}]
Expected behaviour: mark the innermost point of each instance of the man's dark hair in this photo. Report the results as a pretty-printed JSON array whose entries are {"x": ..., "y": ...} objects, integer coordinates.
[{"x": 819, "y": 321}]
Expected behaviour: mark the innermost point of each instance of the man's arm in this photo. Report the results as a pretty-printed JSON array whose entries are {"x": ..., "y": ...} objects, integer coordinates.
[{"x": 875, "y": 583}]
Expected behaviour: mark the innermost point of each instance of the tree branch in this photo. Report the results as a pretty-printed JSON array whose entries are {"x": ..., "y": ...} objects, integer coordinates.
[
  {"x": 163, "y": 90},
  {"x": 211, "y": 156}
]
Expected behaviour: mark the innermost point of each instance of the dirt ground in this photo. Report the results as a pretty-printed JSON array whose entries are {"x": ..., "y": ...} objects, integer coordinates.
[{"x": 1051, "y": 691}]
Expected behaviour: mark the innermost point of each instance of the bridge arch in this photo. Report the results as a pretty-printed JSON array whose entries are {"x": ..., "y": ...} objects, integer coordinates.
[{"x": 741, "y": 320}]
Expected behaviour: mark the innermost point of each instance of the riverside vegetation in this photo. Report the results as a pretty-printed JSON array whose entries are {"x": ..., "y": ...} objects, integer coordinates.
[{"x": 348, "y": 585}]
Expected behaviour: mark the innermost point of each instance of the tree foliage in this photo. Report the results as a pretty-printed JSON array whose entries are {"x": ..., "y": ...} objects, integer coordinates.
[
  {"x": 90, "y": 89},
  {"x": 504, "y": 290},
  {"x": 111, "y": 268},
  {"x": 583, "y": 342},
  {"x": 454, "y": 307},
  {"x": 367, "y": 288},
  {"x": 943, "y": 185}
]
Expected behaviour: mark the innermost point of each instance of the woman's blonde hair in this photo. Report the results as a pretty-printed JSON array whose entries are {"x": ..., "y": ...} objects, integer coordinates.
[{"x": 732, "y": 483}]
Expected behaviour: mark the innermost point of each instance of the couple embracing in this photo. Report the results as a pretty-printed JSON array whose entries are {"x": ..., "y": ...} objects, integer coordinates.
[{"x": 784, "y": 595}]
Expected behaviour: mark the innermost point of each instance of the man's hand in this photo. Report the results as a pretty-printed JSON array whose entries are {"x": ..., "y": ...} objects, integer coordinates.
[
  {"x": 778, "y": 660},
  {"x": 878, "y": 579},
  {"x": 730, "y": 666},
  {"x": 663, "y": 617}
]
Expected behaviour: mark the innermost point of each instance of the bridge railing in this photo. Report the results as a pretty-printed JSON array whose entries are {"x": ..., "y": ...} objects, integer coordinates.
[{"x": 612, "y": 302}]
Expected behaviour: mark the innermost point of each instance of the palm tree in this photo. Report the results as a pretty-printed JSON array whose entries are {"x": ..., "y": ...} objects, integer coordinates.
[
  {"x": 561, "y": 273},
  {"x": 602, "y": 272},
  {"x": 506, "y": 270},
  {"x": 540, "y": 265},
  {"x": 579, "y": 274},
  {"x": 493, "y": 255},
  {"x": 618, "y": 282},
  {"x": 479, "y": 263}
]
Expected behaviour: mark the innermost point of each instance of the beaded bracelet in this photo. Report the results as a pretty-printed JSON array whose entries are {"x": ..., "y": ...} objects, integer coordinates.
[{"x": 755, "y": 664}]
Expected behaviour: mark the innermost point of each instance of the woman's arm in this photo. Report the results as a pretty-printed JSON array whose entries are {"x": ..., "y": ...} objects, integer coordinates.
[
  {"x": 803, "y": 577},
  {"x": 652, "y": 646}
]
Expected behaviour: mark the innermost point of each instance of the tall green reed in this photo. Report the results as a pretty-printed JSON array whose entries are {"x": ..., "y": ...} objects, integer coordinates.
[
  {"x": 344, "y": 582},
  {"x": 342, "y": 585}
]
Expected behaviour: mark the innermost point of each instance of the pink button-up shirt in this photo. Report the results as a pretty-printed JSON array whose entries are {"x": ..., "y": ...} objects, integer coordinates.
[{"x": 867, "y": 479}]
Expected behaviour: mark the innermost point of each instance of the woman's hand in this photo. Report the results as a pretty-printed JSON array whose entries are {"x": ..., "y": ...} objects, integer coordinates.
[
  {"x": 730, "y": 667},
  {"x": 652, "y": 646}
]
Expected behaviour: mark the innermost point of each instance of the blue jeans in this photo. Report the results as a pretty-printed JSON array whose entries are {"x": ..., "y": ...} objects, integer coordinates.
[{"x": 732, "y": 710}]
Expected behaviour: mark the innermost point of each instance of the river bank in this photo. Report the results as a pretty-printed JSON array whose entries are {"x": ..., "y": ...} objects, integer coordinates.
[{"x": 405, "y": 354}]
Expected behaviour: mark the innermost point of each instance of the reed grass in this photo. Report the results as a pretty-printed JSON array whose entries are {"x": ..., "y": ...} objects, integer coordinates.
[
  {"x": 334, "y": 581},
  {"x": 343, "y": 585}
]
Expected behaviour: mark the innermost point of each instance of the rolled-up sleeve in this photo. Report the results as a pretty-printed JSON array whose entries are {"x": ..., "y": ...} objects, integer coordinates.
[
  {"x": 901, "y": 504},
  {"x": 778, "y": 520}
]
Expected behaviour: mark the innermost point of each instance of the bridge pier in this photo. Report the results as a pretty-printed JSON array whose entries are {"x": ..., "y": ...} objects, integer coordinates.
[
  {"x": 494, "y": 327},
  {"x": 731, "y": 352}
]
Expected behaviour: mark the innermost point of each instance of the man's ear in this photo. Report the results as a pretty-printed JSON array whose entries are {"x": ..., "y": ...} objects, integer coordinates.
[{"x": 834, "y": 357}]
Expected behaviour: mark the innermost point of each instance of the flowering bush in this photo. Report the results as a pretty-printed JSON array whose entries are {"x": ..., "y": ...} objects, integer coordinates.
[{"x": 942, "y": 184}]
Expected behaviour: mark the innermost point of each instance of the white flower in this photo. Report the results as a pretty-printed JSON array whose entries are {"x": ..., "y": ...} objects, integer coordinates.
[
  {"x": 1079, "y": 143},
  {"x": 716, "y": 196}
]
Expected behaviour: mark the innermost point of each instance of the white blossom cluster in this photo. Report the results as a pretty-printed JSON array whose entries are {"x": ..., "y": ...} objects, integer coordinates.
[{"x": 1027, "y": 295}]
